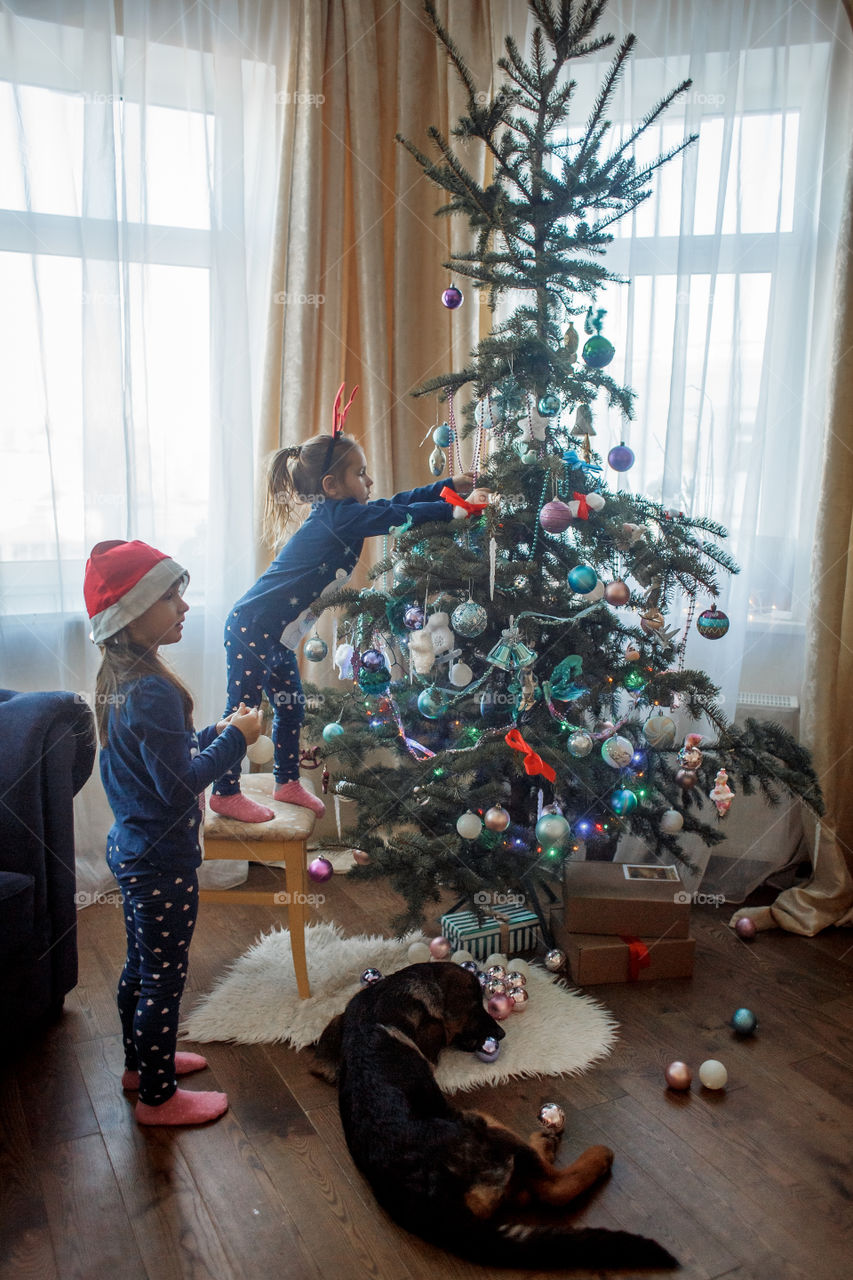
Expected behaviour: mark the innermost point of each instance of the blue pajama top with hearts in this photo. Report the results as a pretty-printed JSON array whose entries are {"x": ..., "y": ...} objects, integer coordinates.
[
  {"x": 154, "y": 769},
  {"x": 321, "y": 556}
]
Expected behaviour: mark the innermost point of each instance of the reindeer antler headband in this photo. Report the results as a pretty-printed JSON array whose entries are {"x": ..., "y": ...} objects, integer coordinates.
[{"x": 339, "y": 417}]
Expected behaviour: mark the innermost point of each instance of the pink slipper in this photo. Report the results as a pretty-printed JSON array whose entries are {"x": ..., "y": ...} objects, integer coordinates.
[
  {"x": 294, "y": 793},
  {"x": 240, "y": 808},
  {"x": 184, "y": 1107},
  {"x": 184, "y": 1064}
]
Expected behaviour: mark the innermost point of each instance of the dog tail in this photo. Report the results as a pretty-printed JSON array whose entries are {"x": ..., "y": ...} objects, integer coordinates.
[{"x": 515, "y": 1245}]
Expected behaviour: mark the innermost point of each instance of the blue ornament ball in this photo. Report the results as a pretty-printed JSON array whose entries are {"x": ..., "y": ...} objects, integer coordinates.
[
  {"x": 489, "y": 1050},
  {"x": 598, "y": 352},
  {"x": 583, "y": 579},
  {"x": 469, "y": 619},
  {"x": 621, "y": 458},
  {"x": 441, "y": 436},
  {"x": 452, "y": 298},
  {"x": 332, "y": 731},
  {"x": 744, "y": 1021},
  {"x": 548, "y": 405},
  {"x": 623, "y": 802},
  {"x": 431, "y": 703}
]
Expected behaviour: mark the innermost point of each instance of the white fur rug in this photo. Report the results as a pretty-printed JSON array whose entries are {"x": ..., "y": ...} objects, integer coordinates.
[{"x": 560, "y": 1032}]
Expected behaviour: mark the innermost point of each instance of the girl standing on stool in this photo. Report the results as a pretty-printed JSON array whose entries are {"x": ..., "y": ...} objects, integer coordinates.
[
  {"x": 154, "y": 768},
  {"x": 267, "y": 624}
]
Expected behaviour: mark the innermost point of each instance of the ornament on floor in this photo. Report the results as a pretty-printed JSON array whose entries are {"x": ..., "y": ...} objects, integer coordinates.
[
  {"x": 452, "y": 298},
  {"x": 548, "y": 405},
  {"x": 617, "y": 592},
  {"x": 713, "y": 1074},
  {"x": 437, "y": 461},
  {"x": 413, "y": 618},
  {"x": 496, "y": 958},
  {"x": 721, "y": 793},
  {"x": 495, "y": 972},
  {"x": 320, "y": 870},
  {"x": 555, "y": 516},
  {"x": 582, "y": 579},
  {"x": 712, "y": 623},
  {"x": 500, "y": 1007},
  {"x": 520, "y": 997},
  {"x": 744, "y": 1022},
  {"x": 620, "y": 457},
  {"x": 469, "y": 825},
  {"x": 470, "y": 965},
  {"x": 495, "y": 986},
  {"x": 690, "y": 755},
  {"x": 579, "y": 744},
  {"x": 597, "y": 351},
  {"x": 552, "y": 829},
  {"x": 262, "y": 750},
  {"x": 745, "y": 928},
  {"x": 360, "y": 857},
  {"x": 552, "y": 1117},
  {"x": 671, "y": 821},
  {"x": 418, "y": 953},
  {"x": 515, "y": 979},
  {"x": 659, "y": 732},
  {"x": 617, "y": 751},
  {"x": 489, "y": 1050},
  {"x": 496, "y": 818},
  {"x": 459, "y": 957},
  {"x": 370, "y": 976},
  {"x": 442, "y": 435},
  {"x": 439, "y": 948},
  {"x": 678, "y": 1075},
  {"x": 469, "y": 619},
  {"x": 554, "y": 959},
  {"x": 623, "y": 802},
  {"x": 315, "y": 648},
  {"x": 333, "y": 731}
]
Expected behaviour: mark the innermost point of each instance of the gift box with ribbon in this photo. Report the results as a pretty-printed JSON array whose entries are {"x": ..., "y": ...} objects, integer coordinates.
[
  {"x": 509, "y": 931},
  {"x": 595, "y": 957}
]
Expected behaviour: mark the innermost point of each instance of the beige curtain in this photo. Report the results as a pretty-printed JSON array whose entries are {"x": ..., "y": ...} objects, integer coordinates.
[{"x": 827, "y": 898}]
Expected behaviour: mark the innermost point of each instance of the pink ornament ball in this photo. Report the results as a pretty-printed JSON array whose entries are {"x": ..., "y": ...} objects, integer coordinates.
[
  {"x": 359, "y": 856},
  {"x": 439, "y": 948},
  {"x": 745, "y": 928},
  {"x": 555, "y": 517},
  {"x": 678, "y": 1075},
  {"x": 320, "y": 870},
  {"x": 500, "y": 1007}
]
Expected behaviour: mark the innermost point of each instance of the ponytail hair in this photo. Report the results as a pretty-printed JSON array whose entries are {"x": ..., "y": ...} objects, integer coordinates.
[
  {"x": 294, "y": 478},
  {"x": 123, "y": 662}
]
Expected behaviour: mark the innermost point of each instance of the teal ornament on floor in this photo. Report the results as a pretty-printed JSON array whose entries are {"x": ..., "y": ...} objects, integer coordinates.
[{"x": 744, "y": 1022}]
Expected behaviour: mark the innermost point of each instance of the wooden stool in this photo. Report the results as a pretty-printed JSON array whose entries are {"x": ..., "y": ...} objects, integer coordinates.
[{"x": 282, "y": 839}]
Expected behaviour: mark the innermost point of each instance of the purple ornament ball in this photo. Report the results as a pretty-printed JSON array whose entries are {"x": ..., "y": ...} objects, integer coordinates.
[
  {"x": 452, "y": 298},
  {"x": 621, "y": 458},
  {"x": 372, "y": 660},
  {"x": 320, "y": 870},
  {"x": 745, "y": 928},
  {"x": 555, "y": 516}
]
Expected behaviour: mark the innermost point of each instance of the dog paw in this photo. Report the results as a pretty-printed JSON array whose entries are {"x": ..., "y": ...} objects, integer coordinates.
[{"x": 601, "y": 1157}]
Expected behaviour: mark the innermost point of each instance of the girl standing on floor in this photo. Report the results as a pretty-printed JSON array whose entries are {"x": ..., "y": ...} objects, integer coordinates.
[
  {"x": 266, "y": 625},
  {"x": 154, "y": 768}
]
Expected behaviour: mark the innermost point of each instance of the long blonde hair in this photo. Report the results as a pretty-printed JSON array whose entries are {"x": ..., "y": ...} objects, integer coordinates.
[
  {"x": 294, "y": 478},
  {"x": 123, "y": 662}
]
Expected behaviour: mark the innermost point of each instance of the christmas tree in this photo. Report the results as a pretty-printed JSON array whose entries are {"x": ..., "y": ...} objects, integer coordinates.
[{"x": 518, "y": 670}]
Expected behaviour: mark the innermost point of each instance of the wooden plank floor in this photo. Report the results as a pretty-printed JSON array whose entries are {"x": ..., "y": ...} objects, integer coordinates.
[{"x": 750, "y": 1184}]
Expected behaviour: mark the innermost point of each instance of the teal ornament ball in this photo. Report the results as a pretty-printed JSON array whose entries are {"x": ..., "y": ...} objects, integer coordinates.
[
  {"x": 431, "y": 703},
  {"x": 469, "y": 619},
  {"x": 441, "y": 435},
  {"x": 548, "y": 405},
  {"x": 623, "y": 802},
  {"x": 374, "y": 681},
  {"x": 315, "y": 648},
  {"x": 744, "y": 1022},
  {"x": 579, "y": 744},
  {"x": 712, "y": 624},
  {"x": 332, "y": 731},
  {"x": 598, "y": 352},
  {"x": 583, "y": 579},
  {"x": 552, "y": 828}
]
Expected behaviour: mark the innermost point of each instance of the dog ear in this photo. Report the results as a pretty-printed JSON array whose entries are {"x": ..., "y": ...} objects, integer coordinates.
[{"x": 327, "y": 1051}]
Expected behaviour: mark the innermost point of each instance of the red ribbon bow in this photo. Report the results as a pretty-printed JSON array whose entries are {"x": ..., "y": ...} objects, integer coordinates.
[
  {"x": 472, "y": 508},
  {"x": 583, "y": 506},
  {"x": 638, "y": 956},
  {"x": 533, "y": 763}
]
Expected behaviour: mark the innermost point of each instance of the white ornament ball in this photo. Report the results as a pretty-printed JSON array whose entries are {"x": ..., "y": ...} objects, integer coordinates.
[
  {"x": 262, "y": 750},
  {"x": 460, "y": 957},
  {"x": 518, "y": 966},
  {"x": 496, "y": 958},
  {"x": 713, "y": 1074},
  {"x": 461, "y": 675},
  {"x": 418, "y": 953},
  {"x": 469, "y": 826},
  {"x": 671, "y": 822}
]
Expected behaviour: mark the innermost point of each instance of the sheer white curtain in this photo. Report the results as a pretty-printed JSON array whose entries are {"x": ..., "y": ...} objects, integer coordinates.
[{"x": 140, "y": 149}]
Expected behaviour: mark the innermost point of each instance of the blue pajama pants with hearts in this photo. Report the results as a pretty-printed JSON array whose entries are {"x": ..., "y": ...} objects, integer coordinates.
[
  {"x": 258, "y": 664},
  {"x": 160, "y": 910}
]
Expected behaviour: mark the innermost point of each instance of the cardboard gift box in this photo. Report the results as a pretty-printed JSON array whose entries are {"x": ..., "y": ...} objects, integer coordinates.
[
  {"x": 507, "y": 931},
  {"x": 594, "y": 957},
  {"x": 625, "y": 898}
]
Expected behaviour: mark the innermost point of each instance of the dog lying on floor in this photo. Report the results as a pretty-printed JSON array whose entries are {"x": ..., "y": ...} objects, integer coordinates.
[{"x": 453, "y": 1177}]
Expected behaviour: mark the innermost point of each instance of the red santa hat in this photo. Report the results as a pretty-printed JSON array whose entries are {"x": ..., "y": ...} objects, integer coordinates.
[{"x": 122, "y": 580}]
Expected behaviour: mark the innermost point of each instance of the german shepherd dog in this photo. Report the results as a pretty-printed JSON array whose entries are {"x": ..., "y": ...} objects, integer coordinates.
[{"x": 454, "y": 1177}]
